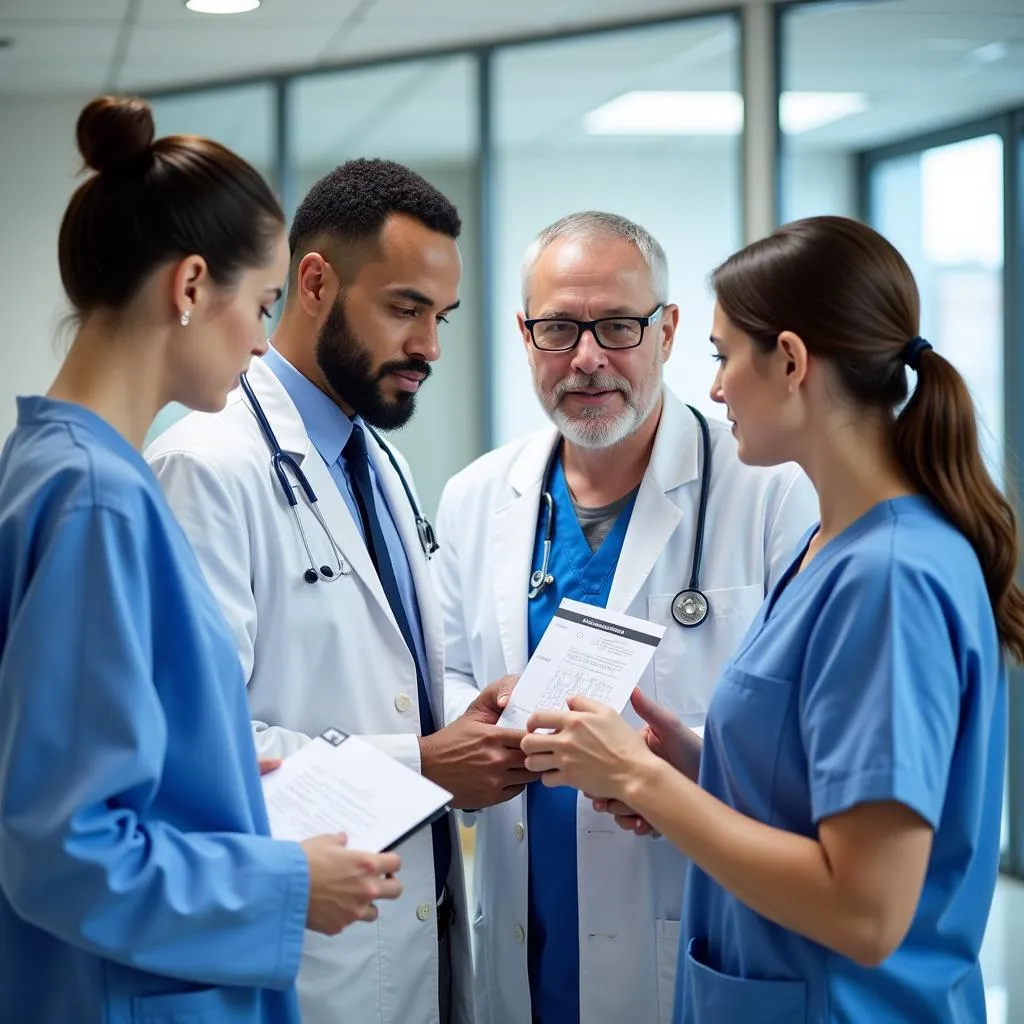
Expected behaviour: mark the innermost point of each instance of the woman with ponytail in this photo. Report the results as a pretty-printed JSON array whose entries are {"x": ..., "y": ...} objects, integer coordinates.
[{"x": 842, "y": 815}]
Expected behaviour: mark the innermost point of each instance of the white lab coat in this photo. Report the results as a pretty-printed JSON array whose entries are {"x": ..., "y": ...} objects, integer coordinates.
[
  {"x": 326, "y": 654},
  {"x": 630, "y": 889}
]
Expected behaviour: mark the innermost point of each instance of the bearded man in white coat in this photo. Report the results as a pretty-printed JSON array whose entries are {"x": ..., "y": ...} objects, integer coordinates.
[
  {"x": 575, "y": 920},
  {"x": 331, "y": 603}
]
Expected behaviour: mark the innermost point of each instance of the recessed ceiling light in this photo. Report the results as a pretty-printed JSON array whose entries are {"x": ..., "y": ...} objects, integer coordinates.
[
  {"x": 222, "y": 6},
  {"x": 668, "y": 113},
  {"x": 804, "y": 111},
  {"x": 713, "y": 113}
]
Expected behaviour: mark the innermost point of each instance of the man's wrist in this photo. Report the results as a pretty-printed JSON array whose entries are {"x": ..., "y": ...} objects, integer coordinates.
[{"x": 427, "y": 744}]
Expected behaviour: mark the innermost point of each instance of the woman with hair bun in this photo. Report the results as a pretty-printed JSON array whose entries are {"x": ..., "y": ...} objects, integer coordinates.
[
  {"x": 138, "y": 880},
  {"x": 843, "y": 814}
]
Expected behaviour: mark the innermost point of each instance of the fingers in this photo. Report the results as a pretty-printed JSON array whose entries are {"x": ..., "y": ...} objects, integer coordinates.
[
  {"x": 651, "y": 712},
  {"x": 268, "y": 764},
  {"x": 506, "y": 684},
  {"x": 535, "y": 743},
  {"x": 386, "y": 864},
  {"x": 520, "y": 777},
  {"x": 633, "y": 823},
  {"x": 617, "y": 807},
  {"x": 548, "y": 718},
  {"x": 510, "y": 738},
  {"x": 543, "y": 762},
  {"x": 390, "y": 889},
  {"x": 587, "y": 705}
]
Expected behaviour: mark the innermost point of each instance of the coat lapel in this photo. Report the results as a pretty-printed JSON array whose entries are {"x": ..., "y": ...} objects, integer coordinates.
[
  {"x": 513, "y": 531},
  {"x": 430, "y": 612},
  {"x": 674, "y": 462},
  {"x": 287, "y": 425}
]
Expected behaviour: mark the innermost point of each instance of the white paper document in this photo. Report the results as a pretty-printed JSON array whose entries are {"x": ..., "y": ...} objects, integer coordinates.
[
  {"x": 585, "y": 652},
  {"x": 340, "y": 783}
]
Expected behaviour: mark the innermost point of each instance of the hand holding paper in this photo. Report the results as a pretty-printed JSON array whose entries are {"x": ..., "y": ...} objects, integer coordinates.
[{"x": 343, "y": 883}]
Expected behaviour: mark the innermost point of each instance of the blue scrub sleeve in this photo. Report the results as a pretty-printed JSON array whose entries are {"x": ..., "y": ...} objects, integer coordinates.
[
  {"x": 82, "y": 744},
  {"x": 880, "y": 695}
]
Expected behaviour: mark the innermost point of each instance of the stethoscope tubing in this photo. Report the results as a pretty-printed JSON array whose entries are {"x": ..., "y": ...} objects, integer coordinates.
[
  {"x": 283, "y": 462},
  {"x": 690, "y": 606}
]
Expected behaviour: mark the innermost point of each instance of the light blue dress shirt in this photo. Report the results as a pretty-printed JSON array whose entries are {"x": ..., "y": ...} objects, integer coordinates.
[
  {"x": 873, "y": 675},
  {"x": 329, "y": 430},
  {"x": 138, "y": 880}
]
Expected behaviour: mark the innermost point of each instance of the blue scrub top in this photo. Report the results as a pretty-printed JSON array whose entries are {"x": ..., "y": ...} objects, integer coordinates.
[
  {"x": 138, "y": 881},
  {"x": 873, "y": 675},
  {"x": 553, "y": 933}
]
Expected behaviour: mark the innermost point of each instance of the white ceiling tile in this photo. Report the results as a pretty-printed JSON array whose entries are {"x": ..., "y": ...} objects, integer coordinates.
[
  {"x": 35, "y": 12},
  {"x": 915, "y": 59},
  {"x": 275, "y": 14},
  {"x": 42, "y": 60},
  {"x": 164, "y": 57}
]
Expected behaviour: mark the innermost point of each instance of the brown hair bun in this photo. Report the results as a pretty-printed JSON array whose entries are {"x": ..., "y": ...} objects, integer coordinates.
[{"x": 114, "y": 132}]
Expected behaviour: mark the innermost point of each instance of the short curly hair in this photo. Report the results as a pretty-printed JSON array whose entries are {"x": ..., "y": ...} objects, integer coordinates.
[{"x": 351, "y": 203}]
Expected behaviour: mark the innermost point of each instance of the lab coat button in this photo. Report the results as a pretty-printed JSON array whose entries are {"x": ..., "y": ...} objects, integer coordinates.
[
  {"x": 423, "y": 911},
  {"x": 519, "y": 831},
  {"x": 402, "y": 702},
  {"x": 520, "y": 934}
]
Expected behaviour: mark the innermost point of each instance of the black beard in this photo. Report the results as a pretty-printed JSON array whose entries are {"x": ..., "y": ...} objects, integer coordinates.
[{"x": 346, "y": 365}]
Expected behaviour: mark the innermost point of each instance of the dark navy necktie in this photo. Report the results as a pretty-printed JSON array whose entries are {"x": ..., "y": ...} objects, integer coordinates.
[{"x": 358, "y": 461}]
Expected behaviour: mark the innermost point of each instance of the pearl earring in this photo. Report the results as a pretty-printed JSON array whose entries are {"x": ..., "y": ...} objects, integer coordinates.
[{"x": 185, "y": 317}]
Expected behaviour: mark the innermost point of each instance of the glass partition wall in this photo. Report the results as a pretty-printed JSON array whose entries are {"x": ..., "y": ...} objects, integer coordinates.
[{"x": 908, "y": 114}]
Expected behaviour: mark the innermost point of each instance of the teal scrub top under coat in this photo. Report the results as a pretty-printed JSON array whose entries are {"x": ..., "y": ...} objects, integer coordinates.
[
  {"x": 138, "y": 881},
  {"x": 553, "y": 933},
  {"x": 874, "y": 675}
]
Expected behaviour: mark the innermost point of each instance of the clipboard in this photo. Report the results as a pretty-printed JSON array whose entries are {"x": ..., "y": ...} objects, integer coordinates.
[{"x": 372, "y": 797}]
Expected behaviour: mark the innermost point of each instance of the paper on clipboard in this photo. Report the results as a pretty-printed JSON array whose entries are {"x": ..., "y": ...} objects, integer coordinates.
[{"x": 341, "y": 783}]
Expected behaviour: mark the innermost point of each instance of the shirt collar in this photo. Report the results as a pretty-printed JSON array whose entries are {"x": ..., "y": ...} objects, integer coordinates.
[{"x": 327, "y": 426}]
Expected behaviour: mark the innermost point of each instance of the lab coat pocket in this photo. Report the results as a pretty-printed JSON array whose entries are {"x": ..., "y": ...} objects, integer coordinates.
[
  {"x": 688, "y": 659},
  {"x": 714, "y": 998},
  {"x": 666, "y": 940},
  {"x": 204, "y": 1006}
]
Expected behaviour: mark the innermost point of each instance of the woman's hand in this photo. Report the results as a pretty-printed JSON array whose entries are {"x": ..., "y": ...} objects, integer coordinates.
[
  {"x": 592, "y": 748},
  {"x": 667, "y": 737},
  {"x": 625, "y": 817},
  {"x": 670, "y": 740}
]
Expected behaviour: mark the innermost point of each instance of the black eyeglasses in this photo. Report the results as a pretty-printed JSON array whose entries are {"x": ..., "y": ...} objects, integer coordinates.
[{"x": 613, "y": 332}]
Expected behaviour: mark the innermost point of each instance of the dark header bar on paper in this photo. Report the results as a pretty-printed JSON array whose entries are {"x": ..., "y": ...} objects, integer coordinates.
[{"x": 608, "y": 627}]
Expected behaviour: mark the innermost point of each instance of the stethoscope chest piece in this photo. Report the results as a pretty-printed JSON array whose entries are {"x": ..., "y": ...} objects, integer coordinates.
[{"x": 689, "y": 607}]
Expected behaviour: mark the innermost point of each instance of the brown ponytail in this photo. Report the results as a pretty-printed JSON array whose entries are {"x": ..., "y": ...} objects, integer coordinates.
[
  {"x": 936, "y": 440},
  {"x": 853, "y": 300}
]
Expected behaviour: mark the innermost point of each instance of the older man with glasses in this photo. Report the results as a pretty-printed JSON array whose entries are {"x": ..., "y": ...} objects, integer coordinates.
[{"x": 636, "y": 503}]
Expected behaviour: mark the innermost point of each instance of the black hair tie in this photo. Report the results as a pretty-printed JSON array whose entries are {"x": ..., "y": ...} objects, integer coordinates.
[{"x": 911, "y": 353}]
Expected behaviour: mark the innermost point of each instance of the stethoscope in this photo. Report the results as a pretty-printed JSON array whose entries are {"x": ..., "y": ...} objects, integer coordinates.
[
  {"x": 281, "y": 461},
  {"x": 689, "y": 606}
]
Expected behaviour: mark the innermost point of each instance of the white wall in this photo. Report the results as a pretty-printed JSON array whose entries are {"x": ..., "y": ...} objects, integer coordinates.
[
  {"x": 818, "y": 181},
  {"x": 687, "y": 198},
  {"x": 38, "y": 162}
]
